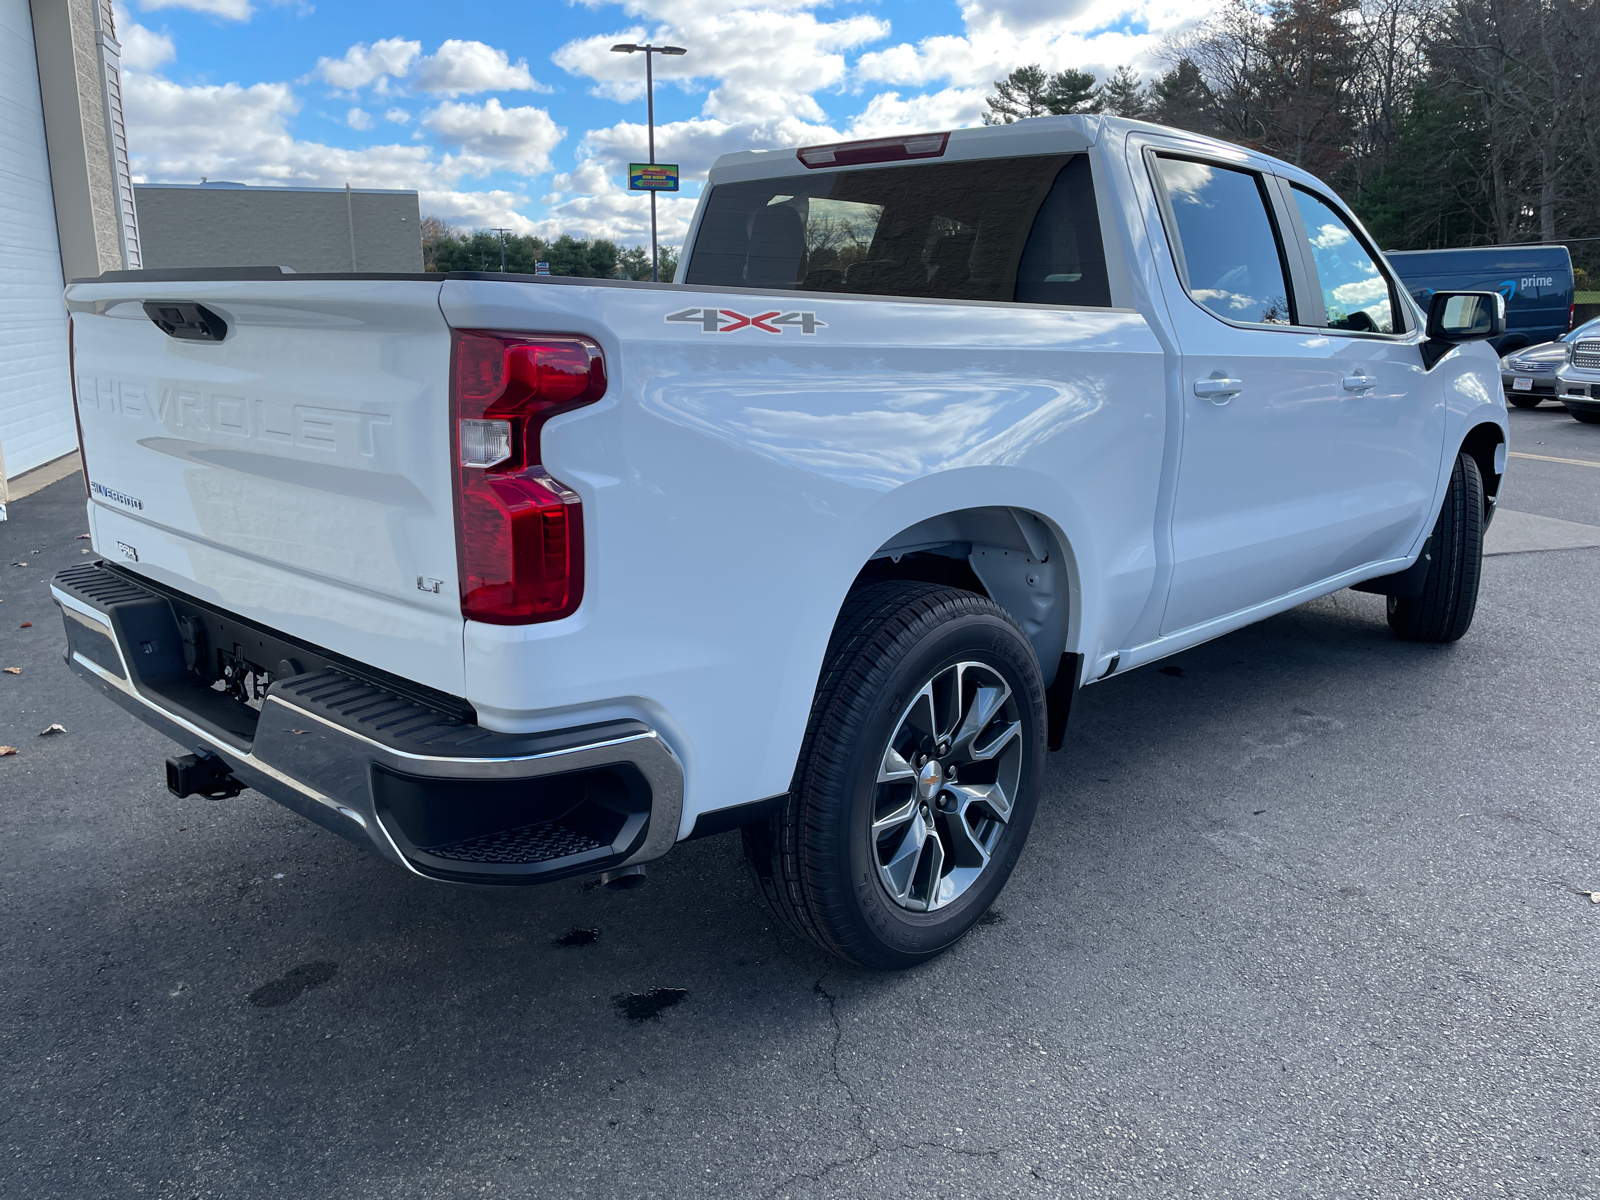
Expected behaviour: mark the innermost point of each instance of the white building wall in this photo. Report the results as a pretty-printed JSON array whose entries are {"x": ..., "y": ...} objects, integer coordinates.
[{"x": 36, "y": 423}]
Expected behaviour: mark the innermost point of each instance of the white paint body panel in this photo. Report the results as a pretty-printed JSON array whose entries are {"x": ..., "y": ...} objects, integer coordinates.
[
  {"x": 298, "y": 473},
  {"x": 734, "y": 485}
]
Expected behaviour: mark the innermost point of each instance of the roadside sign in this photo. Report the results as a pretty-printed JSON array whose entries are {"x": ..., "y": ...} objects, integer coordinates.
[
  {"x": 541, "y": 268},
  {"x": 652, "y": 177}
]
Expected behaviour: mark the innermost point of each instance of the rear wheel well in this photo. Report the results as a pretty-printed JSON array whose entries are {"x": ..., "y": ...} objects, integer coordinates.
[
  {"x": 1482, "y": 443},
  {"x": 1009, "y": 555},
  {"x": 921, "y": 566}
]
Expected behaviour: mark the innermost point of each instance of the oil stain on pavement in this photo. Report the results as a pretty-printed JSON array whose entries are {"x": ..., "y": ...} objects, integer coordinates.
[
  {"x": 290, "y": 986},
  {"x": 648, "y": 1006}
]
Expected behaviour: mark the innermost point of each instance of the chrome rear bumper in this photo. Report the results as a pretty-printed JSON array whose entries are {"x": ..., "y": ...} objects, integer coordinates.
[{"x": 423, "y": 787}]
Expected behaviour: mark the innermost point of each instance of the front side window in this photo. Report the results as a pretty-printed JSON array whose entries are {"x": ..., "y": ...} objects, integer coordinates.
[
  {"x": 1355, "y": 292},
  {"x": 982, "y": 229},
  {"x": 1229, "y": 250}
]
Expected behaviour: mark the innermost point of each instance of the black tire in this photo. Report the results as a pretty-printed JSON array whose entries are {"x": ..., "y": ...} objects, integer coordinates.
[
  {"x": 1523, "y": 400},
  {"x": 817, "y": 860},
  {"x": 1588, "y": 418},
  {"x": 1443, "y": 612}
]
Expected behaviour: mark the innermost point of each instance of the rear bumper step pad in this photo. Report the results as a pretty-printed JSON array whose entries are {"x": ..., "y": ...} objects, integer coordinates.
[{"x": 421, "y": 786}]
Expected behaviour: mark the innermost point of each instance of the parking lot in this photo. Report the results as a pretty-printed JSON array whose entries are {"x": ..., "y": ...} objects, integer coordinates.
[{"x": 1301, "y": 915}]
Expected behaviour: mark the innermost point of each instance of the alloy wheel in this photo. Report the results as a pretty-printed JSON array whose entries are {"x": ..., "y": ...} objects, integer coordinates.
[{"x": 946, "y": 786}]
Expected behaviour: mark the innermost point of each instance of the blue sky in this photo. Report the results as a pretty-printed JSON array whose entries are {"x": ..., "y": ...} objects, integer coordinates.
[{"x": 518, "y": 115}]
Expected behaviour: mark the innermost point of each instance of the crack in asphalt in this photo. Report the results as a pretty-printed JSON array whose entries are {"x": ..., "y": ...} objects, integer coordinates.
[{"x": 875, "y": 1147}]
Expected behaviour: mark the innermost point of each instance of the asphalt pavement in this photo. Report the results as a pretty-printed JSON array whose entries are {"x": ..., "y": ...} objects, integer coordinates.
[{"x": 1301, "y": 915}]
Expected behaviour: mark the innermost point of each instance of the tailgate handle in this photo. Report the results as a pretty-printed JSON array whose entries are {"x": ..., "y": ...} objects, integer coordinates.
[{"x": 186, "y": 320}]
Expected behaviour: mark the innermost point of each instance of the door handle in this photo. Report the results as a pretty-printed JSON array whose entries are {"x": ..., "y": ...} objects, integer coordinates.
[
  {"x": 1218, "y": 389},
  {"x": 1359, "y": 382}
]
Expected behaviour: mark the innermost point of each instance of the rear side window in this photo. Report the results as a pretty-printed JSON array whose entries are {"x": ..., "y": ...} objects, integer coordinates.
[
  {"x": 987, "y": 229},
  {"x": 1228, "y": 251},
  {"x": 1355, "y": 292},
  {"x": 1064, "y": 261}
]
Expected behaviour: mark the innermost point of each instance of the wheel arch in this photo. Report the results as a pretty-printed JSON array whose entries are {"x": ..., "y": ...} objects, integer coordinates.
[
  {"x": 1011, "y": 554},
  {"x": 1483, "y": 443}
]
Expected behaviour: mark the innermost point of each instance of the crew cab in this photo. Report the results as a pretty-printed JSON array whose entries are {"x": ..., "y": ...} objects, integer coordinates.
[{"x": 510, "y": 579}]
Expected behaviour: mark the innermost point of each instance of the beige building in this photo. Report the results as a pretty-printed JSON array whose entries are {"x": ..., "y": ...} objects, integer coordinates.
[
  {"x": 322, "y": 230},
  {"x": 66, "y": 207}
]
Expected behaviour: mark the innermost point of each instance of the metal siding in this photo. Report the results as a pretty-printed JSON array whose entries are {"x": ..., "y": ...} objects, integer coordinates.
[
  {"x": 308, "y": 230},
  {"x": 35, "y": 393}
]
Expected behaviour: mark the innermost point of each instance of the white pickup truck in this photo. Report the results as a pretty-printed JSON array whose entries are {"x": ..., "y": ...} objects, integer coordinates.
[{"x": 512, "y": 579}]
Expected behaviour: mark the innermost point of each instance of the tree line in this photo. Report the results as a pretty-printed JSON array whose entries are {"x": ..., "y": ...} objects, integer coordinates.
[
  {"x": 447, "y": 248},
  {"x": 1441, "y": 122}
]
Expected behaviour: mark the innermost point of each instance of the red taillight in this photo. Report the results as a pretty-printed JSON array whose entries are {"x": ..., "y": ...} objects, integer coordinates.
[
  {"x": 875, "y": 150},
  {"x": 519, "y": 533}
]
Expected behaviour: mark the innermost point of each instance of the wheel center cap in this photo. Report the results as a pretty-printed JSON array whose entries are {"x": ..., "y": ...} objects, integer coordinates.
[{"x": 930, "y": 779}]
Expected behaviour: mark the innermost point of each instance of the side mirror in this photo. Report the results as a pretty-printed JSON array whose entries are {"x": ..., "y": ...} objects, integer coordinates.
[
  {"x": 1455, "y": 317},
  {"x": 1466, "y": 316}
]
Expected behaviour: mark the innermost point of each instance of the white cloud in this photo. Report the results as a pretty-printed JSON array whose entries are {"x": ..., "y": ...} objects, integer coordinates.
[
  {"x": 142, "y": 49},
  {"x": 1021, "y": 16},
  {"x": 1093, "y": 35},
  {"x": 519, "y": 138},
  {"x": 764, "y": 65},
  {"x": 363, "y": 65},
  {"x": 458, "y": 68},
  {"x": 696, "y": 143},
  {"x": 228, "y": 10},
  {"x": 225, "y": 131},
  {"x": 764, "y": 61},
  {"x": 886, "y": 113},
  {"x": 589, "y": 202},
  {"x": 478, "y": 210},
  {"x": 758, "y": 68}
]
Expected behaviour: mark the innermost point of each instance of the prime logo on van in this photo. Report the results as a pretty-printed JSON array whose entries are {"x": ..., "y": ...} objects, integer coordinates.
[{"x": 725, "y": 320}]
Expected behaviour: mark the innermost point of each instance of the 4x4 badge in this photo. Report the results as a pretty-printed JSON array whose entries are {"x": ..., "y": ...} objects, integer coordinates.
[{"x": 725, "y": 320}]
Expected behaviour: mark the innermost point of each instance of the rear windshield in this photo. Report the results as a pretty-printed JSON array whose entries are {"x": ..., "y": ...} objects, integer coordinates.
[{"x": 1022, "y": 229}]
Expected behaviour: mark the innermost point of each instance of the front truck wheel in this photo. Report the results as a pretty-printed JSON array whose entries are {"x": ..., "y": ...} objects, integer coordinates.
[
  {"x": 1442, "y": 612},
  {"x": 917, "y": 779}
]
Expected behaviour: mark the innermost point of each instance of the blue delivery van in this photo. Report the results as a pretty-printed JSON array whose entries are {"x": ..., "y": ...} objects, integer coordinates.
[{"x": 1535, "y": 280}]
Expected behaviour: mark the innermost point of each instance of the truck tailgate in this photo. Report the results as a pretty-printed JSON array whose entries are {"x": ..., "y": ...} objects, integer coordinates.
[{"x": 297, "y": 472}]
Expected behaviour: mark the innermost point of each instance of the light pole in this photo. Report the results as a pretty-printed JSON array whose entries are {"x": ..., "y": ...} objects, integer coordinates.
[
  {"x": 502, "y": 233},
  {"x": 650, "y": 118}
]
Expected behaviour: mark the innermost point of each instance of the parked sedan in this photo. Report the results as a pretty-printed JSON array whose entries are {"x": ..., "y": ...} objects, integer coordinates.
[{"x": 1529, "y": 375}]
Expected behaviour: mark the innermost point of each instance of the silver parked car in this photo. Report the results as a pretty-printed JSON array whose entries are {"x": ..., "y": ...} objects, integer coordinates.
[{"x": 1529, "y": 375}]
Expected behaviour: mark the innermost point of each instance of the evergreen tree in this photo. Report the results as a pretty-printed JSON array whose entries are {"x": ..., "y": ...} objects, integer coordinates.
[
  {"x": 1019, "y": 95},
  {"x": 1182, "y": 99},
  {"x": 1122, "y": 94},
  {"x": 1071, "y": 92},
  {"x": 1030, "y": 92}
]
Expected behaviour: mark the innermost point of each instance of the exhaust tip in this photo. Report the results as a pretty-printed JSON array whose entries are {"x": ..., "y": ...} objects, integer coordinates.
[{"x": 622, "y": 879}]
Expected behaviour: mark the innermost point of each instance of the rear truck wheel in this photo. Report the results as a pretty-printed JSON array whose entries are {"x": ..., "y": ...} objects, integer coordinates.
[
  {"x": 1442, "y": 612},
  {"x": 1523, "y": 399},
  {"x": 917, "y": 780}
]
